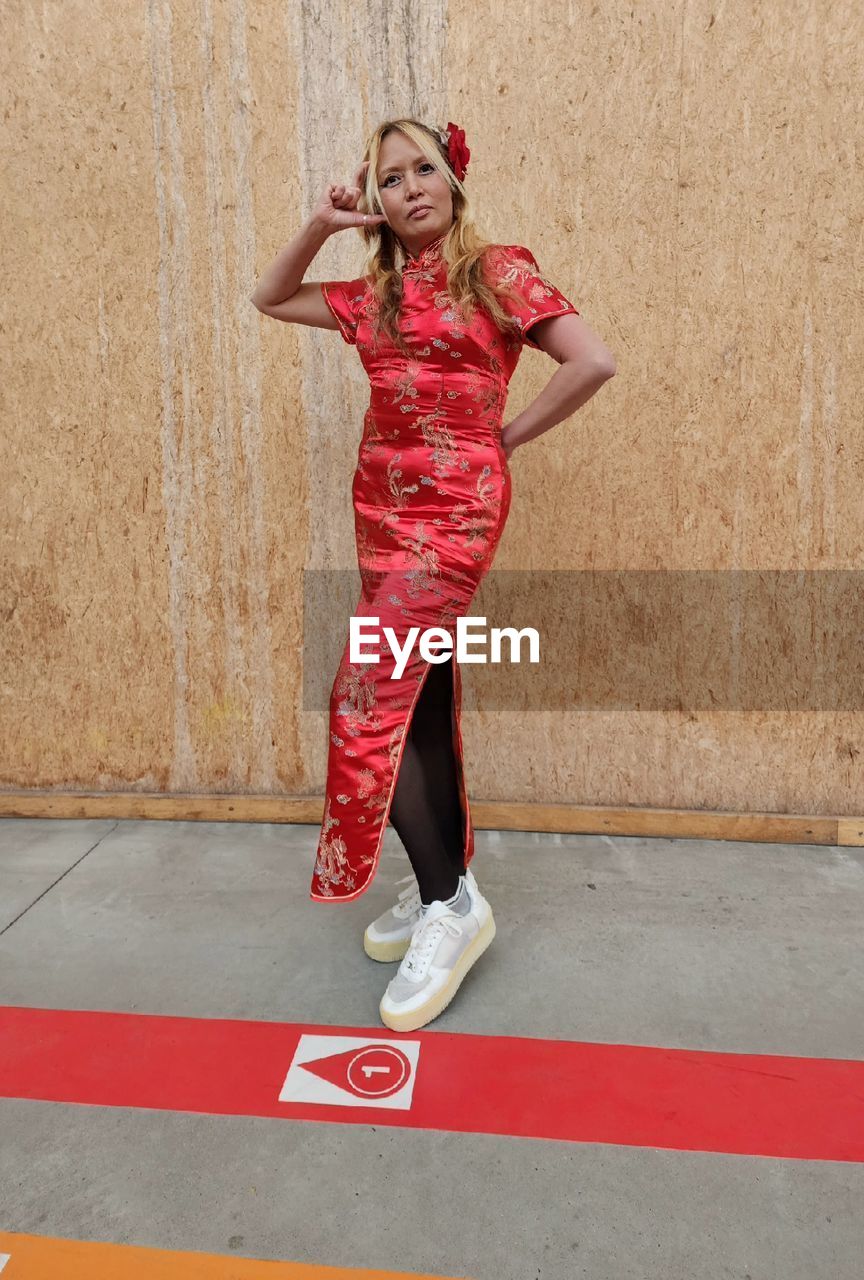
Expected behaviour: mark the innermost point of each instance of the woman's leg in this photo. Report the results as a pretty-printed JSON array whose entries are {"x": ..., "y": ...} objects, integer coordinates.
[{"x": 426, "y": 809}]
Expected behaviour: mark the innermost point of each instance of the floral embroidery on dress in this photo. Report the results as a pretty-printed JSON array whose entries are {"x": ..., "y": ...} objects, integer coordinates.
[
  {"x": 405, "y": 383},
  {"x": 331, "y": 863},
  {"x": 425, "y": 561},
  {"x": 442, "y": 442},
  {"x": 399, "y": 491},
  {"x": 358, "y": 699}
]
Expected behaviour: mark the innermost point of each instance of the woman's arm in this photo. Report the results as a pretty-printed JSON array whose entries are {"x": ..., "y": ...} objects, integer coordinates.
[
  {"x": 280, "y": 292},
  {"x": 586, "y": 363}
]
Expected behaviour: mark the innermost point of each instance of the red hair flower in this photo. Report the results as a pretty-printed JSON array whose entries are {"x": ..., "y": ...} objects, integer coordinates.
[{"x": 457, "y": 152}]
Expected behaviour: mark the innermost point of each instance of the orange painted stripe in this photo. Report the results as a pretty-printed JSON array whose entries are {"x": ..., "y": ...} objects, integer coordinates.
[{"x": 49, "y": 1258}]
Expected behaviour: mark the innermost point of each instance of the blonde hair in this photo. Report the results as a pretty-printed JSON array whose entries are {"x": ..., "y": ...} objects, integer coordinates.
[{"x": 463, "y": 248}]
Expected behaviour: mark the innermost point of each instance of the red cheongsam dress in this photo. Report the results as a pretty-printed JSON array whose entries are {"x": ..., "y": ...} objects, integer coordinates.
[{"x": 431, "y": 495}]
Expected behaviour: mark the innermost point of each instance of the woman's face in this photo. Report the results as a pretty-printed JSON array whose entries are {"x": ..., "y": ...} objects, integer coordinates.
[{"x": 407, "y": 182}]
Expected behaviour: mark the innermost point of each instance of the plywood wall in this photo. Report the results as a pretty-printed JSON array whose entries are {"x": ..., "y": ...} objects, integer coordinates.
[{"x": 176, "y": 468}]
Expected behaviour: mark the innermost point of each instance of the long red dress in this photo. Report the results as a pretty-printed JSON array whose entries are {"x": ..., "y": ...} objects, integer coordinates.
[{"x": 431, "y": 495}]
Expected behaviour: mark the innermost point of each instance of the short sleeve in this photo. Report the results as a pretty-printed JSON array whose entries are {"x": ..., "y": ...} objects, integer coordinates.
[
  {"x": 345, "y": 299},
  {"x": 534, "y": 297}
]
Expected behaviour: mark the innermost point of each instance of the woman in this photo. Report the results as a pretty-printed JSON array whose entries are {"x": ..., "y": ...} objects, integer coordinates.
[{"x": 439, "y": 316}]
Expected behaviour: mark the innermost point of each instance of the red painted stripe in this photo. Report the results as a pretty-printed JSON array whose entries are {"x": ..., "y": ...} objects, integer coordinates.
[{"x": 632, "y": 1095}]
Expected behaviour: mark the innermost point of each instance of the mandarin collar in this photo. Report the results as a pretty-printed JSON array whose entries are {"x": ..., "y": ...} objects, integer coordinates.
[{"x": 427, "y": 254}]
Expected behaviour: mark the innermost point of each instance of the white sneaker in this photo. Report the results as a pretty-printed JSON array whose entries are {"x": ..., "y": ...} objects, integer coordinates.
[
  {"x": 443, "y": 948},
  {"x": 388, "y": 937}
]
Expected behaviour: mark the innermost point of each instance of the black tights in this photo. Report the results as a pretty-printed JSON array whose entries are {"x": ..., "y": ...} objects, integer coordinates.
[{"x": 426, "y": 809}]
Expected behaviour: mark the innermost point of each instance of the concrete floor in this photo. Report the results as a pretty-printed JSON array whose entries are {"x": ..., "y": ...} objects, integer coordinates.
[{"x": 740, "y": 948}]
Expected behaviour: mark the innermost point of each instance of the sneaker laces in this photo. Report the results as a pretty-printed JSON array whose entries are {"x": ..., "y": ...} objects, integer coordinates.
[{"x": 424, "y": 942}]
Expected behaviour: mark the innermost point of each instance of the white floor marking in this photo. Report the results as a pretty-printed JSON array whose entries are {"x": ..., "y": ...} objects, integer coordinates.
[{"x": 350, "y": 1071}]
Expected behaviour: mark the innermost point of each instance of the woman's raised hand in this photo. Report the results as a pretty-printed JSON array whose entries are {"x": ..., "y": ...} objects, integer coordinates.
[{"x": 337, "y": 208}]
